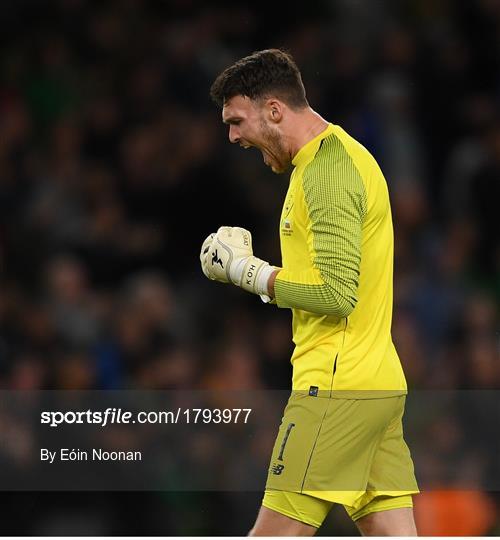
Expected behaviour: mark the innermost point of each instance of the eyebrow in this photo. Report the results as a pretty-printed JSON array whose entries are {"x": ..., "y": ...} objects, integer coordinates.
[{"x": 231, "y": 120}]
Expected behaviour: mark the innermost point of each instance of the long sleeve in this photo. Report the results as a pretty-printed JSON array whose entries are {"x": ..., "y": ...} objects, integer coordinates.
[{"x": 335, "y": 203}]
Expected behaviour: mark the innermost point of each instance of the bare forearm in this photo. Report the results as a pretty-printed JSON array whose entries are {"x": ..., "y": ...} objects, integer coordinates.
[{"x": 270, "y": 283}]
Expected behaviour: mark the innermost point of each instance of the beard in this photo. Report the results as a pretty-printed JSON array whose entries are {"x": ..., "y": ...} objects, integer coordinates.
[{"x": 275, "y": 155}]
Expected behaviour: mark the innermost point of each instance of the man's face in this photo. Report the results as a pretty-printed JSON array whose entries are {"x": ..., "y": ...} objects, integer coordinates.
[{"x": 250, "y": 125}]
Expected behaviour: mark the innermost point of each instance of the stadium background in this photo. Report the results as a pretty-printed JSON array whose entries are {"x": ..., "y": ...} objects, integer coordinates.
[{"x": 114, "y": 166}]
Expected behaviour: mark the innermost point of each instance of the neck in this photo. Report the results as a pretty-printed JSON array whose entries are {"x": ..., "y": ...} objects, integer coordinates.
[{"x": 304, "y": 126}]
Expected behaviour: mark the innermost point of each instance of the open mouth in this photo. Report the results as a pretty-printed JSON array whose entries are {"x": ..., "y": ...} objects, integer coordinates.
[{"x": 265, "y": 155}]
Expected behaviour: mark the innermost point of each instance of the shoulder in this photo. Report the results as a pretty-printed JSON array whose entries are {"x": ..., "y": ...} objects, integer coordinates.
[
  {"x": 333, "y": 163},
  {"x": 333, "y": 177},
  {"x": 331, "y": 151}
]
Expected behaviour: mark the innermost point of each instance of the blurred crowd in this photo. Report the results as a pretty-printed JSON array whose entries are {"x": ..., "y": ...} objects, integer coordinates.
[{"x": 114, "y": 167}]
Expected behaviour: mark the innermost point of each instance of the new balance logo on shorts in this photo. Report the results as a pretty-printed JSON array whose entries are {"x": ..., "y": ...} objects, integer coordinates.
[{"x": 277, "y": 469}]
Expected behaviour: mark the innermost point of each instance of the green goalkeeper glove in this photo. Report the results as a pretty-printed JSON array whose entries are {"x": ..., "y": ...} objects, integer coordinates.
[{"x": 227, "y": 256}]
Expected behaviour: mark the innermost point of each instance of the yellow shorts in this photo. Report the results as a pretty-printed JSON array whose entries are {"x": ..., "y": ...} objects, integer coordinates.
[
  {"x": 347, "y": 451},
  {"x": 313, "y": 511}
]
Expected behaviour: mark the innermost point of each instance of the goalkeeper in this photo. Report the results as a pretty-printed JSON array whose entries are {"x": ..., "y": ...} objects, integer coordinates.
[{"x": 341, "y": 438}]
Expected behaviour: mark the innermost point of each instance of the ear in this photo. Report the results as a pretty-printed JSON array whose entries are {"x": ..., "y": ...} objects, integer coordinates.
[{"x": 274, "y": 110}]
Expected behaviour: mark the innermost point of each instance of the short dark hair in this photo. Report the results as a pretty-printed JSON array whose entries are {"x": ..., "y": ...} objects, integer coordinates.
[{"x": 267, "y": 73}]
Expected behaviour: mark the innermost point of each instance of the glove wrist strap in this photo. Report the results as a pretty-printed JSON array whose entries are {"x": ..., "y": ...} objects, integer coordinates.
[
  {"x": 261, "y": 284},
  {"x": 251, "y": 274}
]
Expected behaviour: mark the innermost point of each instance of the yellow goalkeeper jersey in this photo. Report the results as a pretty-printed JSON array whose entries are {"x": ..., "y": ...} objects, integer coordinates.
[{"x": 337, "y": 268}]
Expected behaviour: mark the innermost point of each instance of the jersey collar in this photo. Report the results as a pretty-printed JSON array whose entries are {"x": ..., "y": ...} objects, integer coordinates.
[{"x": 311, "y": 147}]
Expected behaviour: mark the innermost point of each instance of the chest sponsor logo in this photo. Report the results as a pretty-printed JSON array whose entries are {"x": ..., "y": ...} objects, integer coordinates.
[{"x": 286, "y": 227}]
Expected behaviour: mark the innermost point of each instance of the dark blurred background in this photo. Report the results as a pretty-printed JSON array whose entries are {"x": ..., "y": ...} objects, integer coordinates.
[{"x": 114, "y": 166}]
